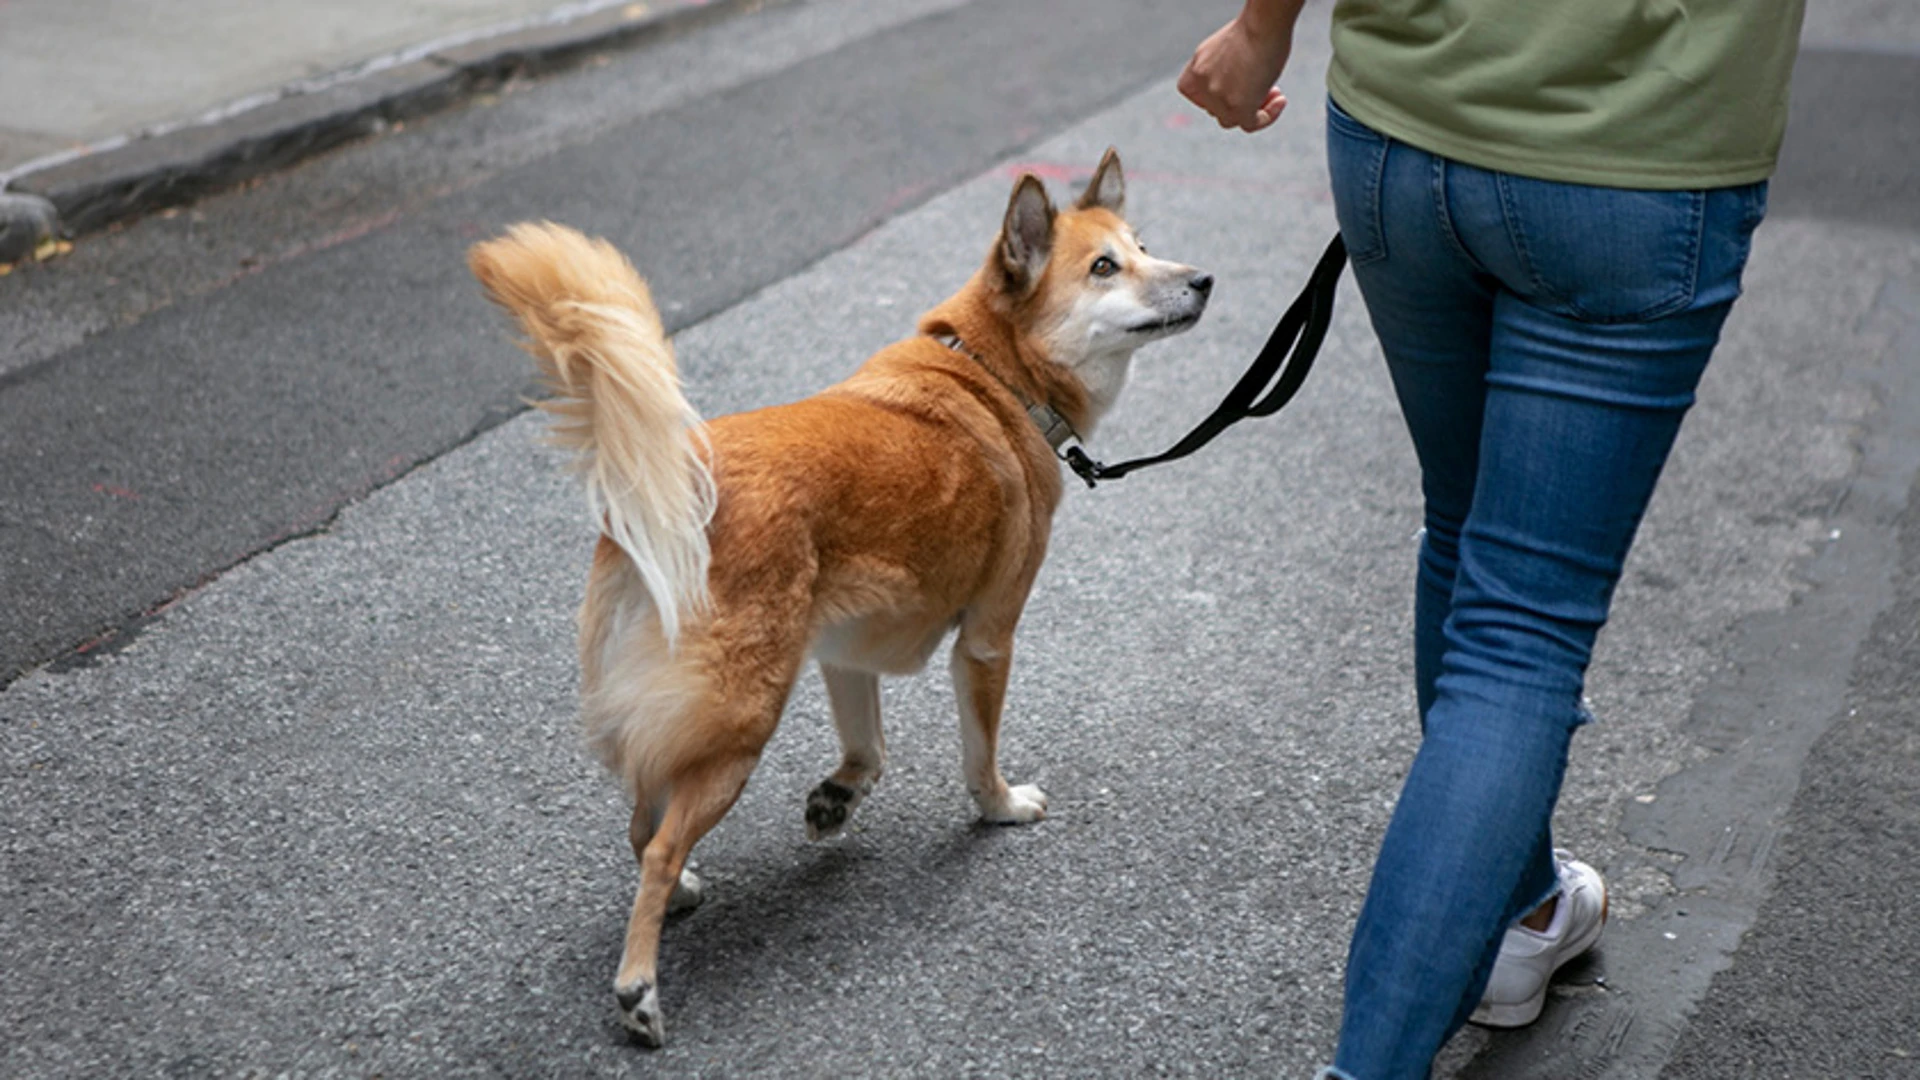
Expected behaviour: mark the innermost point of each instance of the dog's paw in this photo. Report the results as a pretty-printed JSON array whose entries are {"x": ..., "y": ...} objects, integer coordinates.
[
  {"x": 828, "y": 808},
  {"x": 640, "y": 1014},
  {"x": 687, "y": 894},
  {"x": 1019, "y": 806}
]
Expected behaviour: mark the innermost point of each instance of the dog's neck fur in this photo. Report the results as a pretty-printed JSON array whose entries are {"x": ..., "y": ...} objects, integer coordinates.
[{"x": 982, "y": 318}]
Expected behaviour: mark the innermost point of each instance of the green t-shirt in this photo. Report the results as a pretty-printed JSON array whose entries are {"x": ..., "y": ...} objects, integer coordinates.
[{"x": 1619, "y": 93}]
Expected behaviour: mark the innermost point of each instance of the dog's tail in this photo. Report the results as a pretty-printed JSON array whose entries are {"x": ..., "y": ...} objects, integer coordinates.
[{"x": 591, "y": 323}]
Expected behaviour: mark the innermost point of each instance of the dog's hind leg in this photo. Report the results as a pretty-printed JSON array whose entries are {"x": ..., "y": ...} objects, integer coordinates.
[
  {"x": 855, "y": 697},
  {"x": 687, "y": 892},
  {"x": 980, "y": 668},
  {"x": 699, "y": 797}
]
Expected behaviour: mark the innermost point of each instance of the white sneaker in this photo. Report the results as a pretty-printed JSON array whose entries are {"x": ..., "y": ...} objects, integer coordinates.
[{"x": 1528, "y": 958}]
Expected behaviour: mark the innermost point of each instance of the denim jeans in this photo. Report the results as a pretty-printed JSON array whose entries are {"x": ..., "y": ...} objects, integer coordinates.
[{"x": 1544, "y": 341}]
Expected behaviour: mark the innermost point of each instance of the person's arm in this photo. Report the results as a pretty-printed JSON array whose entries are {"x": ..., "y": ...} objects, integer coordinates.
[{"x": 1232, "y": 74}]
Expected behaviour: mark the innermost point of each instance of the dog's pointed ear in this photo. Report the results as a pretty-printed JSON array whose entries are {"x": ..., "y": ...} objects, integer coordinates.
[
  {"x": 1026, "y": 237},
  {"x": 1108, "y": 188}
]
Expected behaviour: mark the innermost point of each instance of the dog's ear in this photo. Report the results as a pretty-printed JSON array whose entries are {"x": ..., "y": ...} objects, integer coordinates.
[
  {"x": 1108, "y": 188},
  {"x": 1026, "y": 237}
]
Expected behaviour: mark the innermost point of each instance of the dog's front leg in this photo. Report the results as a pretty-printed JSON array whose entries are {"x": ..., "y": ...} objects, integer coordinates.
[
  {"x": 980, "y": 683},
  {"x": 855, "y": 697}
]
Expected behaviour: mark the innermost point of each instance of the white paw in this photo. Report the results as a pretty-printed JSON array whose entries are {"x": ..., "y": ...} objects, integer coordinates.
[
  {"x": 1019, "y": 806},
  {"x": 687, "y": 893},
  {"x": 640, "y": 1015}
]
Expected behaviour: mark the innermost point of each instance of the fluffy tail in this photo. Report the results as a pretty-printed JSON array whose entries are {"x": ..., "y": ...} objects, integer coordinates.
[{"x": 591, "y": 323}]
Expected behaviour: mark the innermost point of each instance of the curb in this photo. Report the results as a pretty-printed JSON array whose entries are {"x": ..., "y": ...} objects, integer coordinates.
[
  {"x": 26, "y": 222},
  {"x": 123, "y": 181}
]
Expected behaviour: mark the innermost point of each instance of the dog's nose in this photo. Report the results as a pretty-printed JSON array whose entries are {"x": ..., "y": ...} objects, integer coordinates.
[{"x": 1201, "y": 283}]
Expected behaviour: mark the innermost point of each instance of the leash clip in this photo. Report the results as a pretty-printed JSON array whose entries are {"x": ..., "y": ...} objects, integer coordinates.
[{"x": 1083, "y": 466}]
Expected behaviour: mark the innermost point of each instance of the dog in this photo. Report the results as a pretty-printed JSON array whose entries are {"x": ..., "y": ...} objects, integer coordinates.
[{"x": 860, "y": 526}]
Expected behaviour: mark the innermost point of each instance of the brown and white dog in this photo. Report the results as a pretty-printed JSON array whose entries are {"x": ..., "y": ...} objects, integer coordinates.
[{"x": 859, "y": 525}]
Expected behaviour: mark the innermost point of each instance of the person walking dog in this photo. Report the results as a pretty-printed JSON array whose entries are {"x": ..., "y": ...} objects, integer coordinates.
[{"x": 1548, "y": 205}]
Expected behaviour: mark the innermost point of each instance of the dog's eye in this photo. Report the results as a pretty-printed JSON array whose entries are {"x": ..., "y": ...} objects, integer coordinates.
[{"x": 1105, "y": 267}]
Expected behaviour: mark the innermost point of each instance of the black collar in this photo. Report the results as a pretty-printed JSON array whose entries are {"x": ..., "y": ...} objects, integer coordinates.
[{"x": 1053, "y": 427}]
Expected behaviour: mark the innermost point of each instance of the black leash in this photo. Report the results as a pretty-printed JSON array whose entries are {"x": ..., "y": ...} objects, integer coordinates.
[{"x": 1298, "y": 336}]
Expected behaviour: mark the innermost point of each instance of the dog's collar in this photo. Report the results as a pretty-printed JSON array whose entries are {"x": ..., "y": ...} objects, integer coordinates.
[{"x": 1053, "y": 427}]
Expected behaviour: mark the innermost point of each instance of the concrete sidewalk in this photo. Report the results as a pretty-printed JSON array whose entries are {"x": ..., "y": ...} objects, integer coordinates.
[
  {"x": 119, "y": 107},
  {"x": 79, "y": 72}
]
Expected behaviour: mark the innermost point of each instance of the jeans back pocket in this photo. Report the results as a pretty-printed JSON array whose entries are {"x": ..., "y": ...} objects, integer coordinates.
[
  {"x": 1356, "y": 163},
  {"x": 1604, "y": 255}
]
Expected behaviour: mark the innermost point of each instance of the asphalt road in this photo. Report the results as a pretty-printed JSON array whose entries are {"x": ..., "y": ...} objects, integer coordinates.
[
  {"x": 116, "y": 505},
  {"x": 311, "y": 801}
]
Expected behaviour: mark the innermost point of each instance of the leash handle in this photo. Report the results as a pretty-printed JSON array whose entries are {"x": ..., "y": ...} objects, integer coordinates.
[{"x": 1295, "y": 342}]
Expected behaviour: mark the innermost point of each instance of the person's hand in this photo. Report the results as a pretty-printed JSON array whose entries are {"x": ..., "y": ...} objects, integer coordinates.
[{"x": 1232, "y": 74}]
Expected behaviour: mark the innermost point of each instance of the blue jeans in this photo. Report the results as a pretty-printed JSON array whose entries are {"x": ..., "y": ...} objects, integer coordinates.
[{"x": 1544, "y": 340}]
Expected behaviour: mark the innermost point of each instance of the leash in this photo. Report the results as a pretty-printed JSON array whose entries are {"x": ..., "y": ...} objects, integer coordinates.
[{"x": 1294, "y": 342}]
